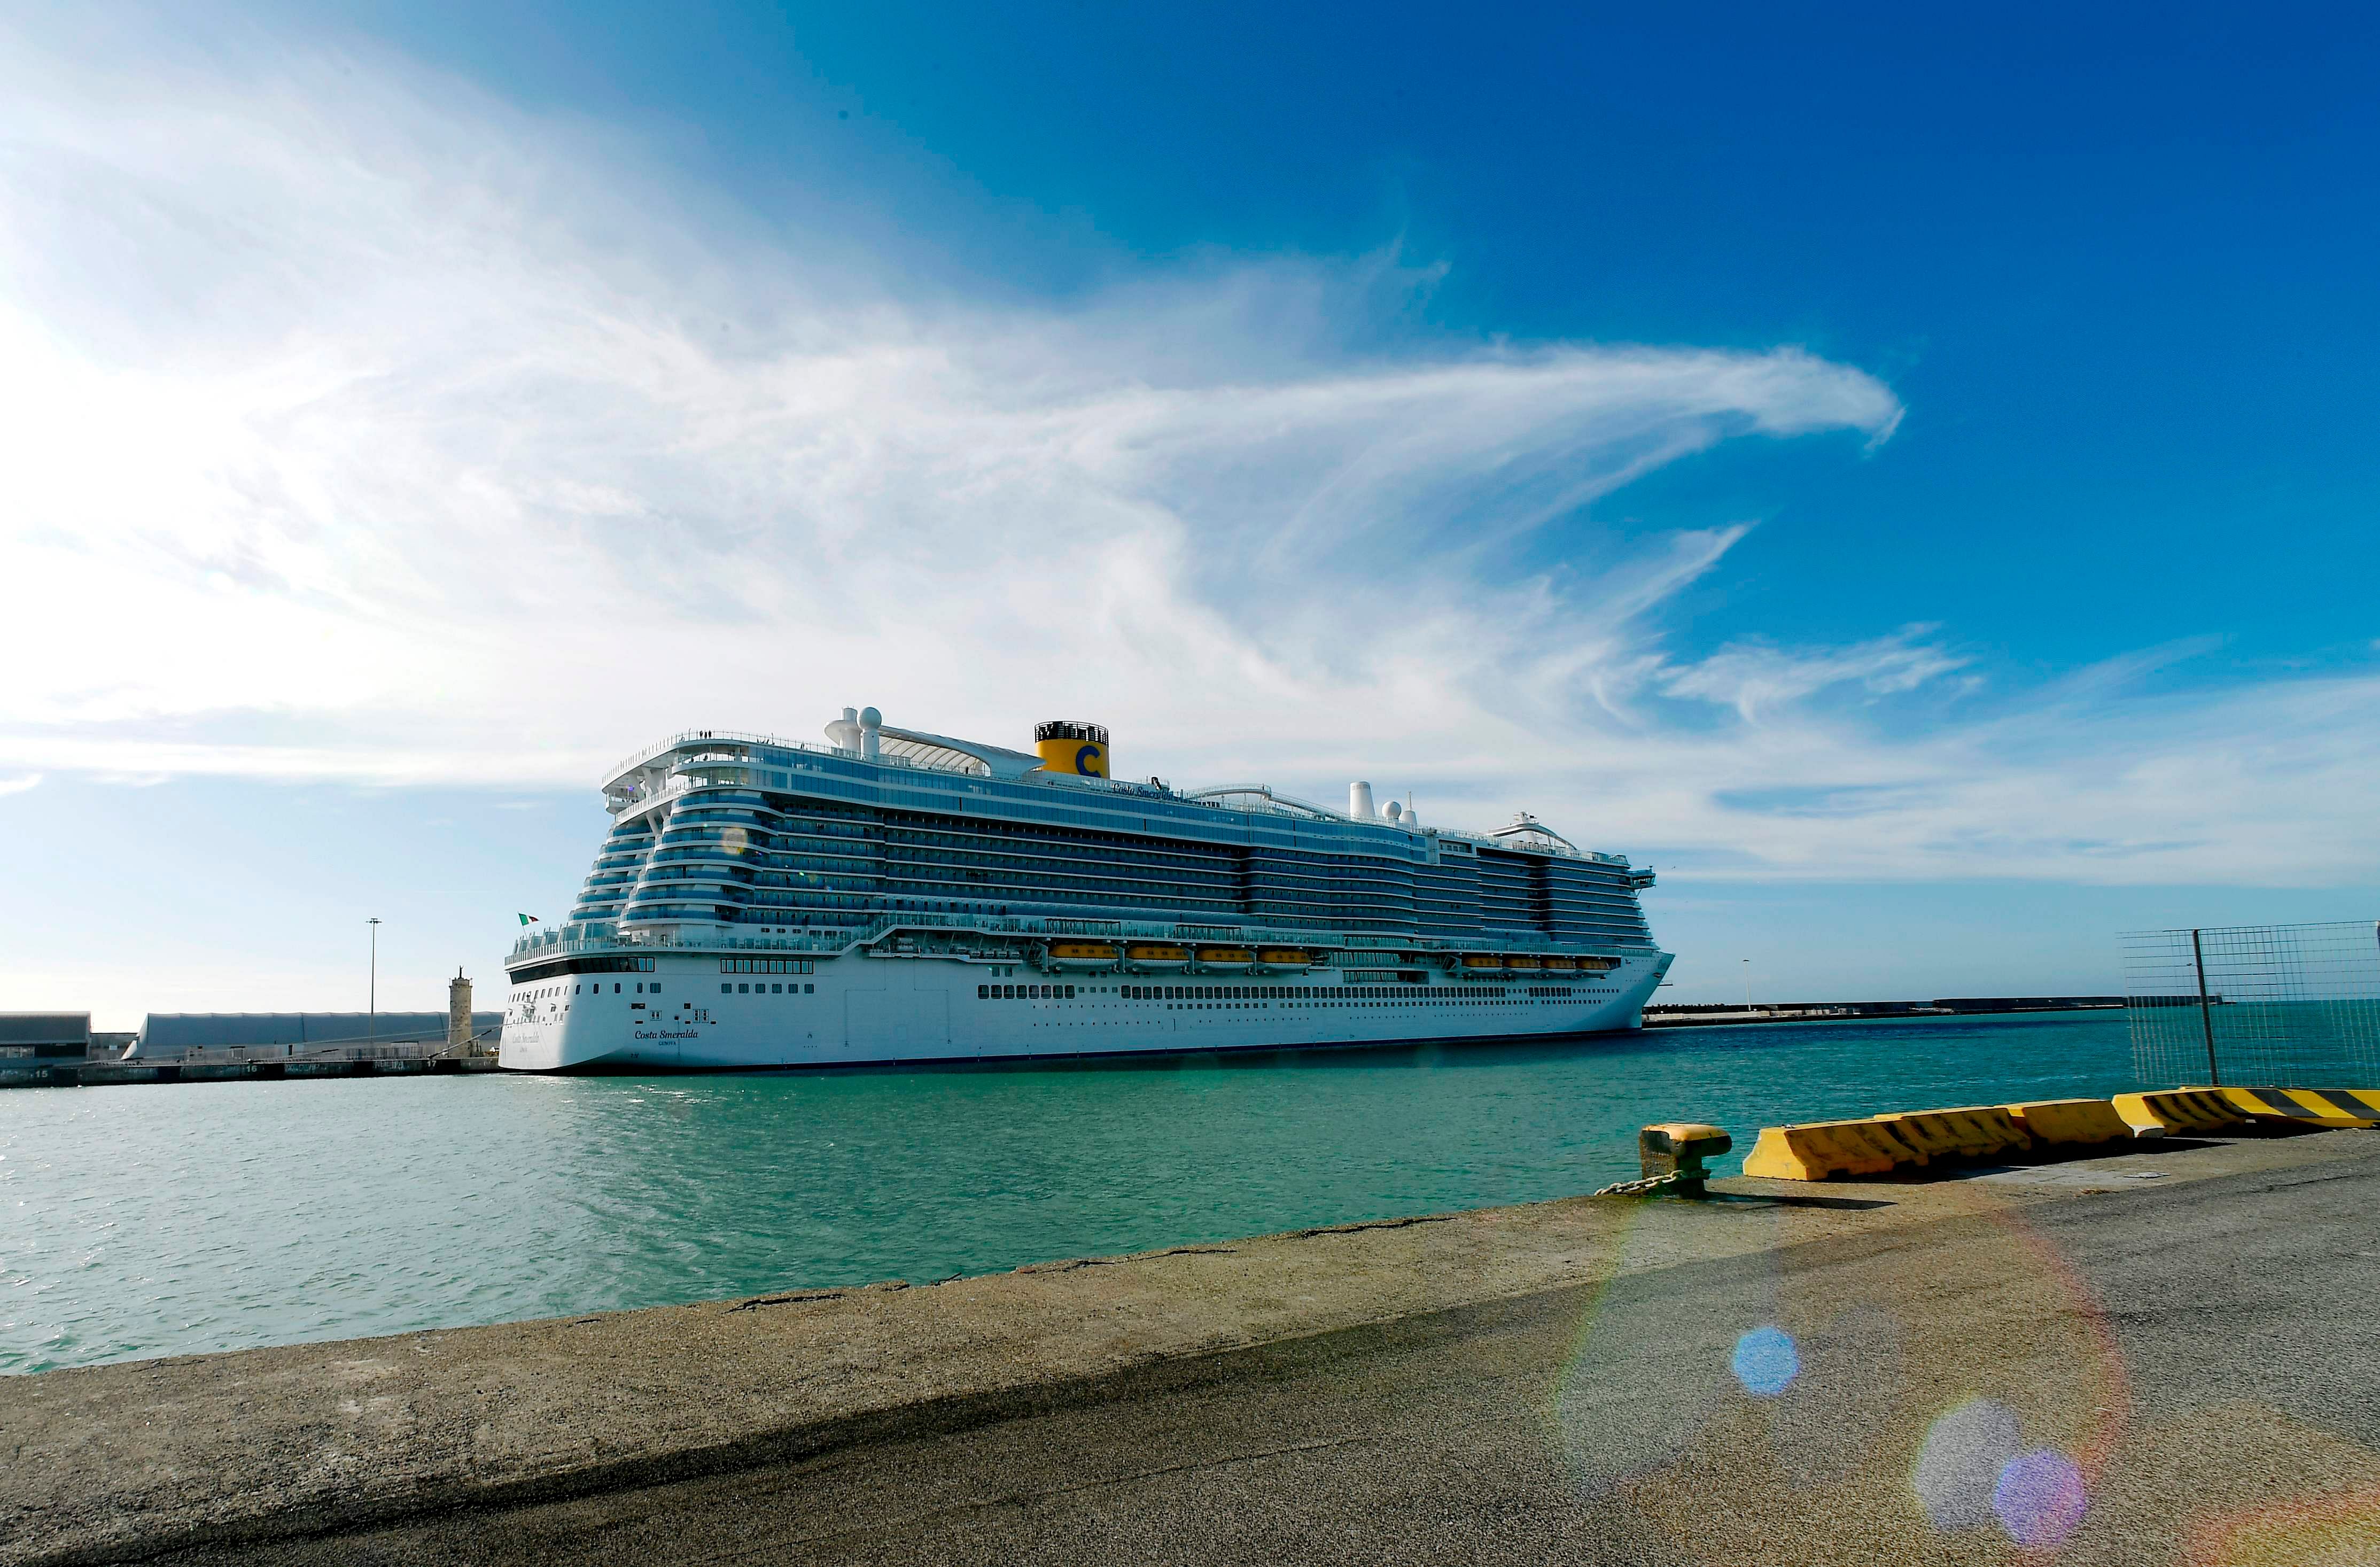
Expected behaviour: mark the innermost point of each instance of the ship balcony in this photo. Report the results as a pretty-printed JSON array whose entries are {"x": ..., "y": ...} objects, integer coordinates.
[{"x": 664, "y": 932}]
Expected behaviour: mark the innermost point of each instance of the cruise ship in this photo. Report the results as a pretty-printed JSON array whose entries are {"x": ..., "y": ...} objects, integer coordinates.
[{"x": 895, "y": 896}]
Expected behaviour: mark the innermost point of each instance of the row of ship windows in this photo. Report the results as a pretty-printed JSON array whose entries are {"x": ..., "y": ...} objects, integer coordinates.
[
  {"x": 1066, "y": 992},
  {"x": 750, "y": 859},
  {"x": 1285, "y": 883},
  {"x": 1559, "y": 913},
  {"x": 1125, "y": 879},
  {"x": 690, "y": 824},
  {"x": 1580, "y": 891},
  {"x": 855, "y": 860},
  {"x": 548, "y": 992},
  {"x": 818, "y": 914},
  {"x": 1170, "y": 856},
  {"x": 899, "y": 838},
  {"x": 1630, "y": 923},
  {"x": 1188, "y": 856},
  {"x": 1512, "y": 883},
  {"x": 1108, "y": 878},
  {"x": 941, "y": 831},
  {"x": 808, "y": 922},
  {"x": 1263, "y": 992},
  {"x": 931, "y": 827}
]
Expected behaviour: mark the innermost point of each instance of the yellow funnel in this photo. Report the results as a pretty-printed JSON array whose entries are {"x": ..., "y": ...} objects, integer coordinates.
[{"x": 1068, "y": 747}]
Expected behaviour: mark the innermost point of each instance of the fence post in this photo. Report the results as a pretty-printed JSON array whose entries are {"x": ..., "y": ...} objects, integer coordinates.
[{"x": 2206, "y": 1015}]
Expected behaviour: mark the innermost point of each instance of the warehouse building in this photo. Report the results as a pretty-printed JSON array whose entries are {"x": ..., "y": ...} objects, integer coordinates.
[{"x": 169, "y": 1036}]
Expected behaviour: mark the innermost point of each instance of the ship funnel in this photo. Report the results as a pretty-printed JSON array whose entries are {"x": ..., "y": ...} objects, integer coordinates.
[
  {"x": 870, "y": 742},
  {"x": 843, "y": 733},
  {"x": 1359, "y": 802},
  {"x": 1072, "y": 746}
]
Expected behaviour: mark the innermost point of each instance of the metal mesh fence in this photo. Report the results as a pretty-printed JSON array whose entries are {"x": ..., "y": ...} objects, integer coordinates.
[{"x": 2257, "y": 1005}]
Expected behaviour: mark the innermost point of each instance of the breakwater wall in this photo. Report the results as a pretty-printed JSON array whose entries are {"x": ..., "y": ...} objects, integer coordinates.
[
  {"x": 1718, "y": 1014},
  {"x": 385, "y": 1061}
]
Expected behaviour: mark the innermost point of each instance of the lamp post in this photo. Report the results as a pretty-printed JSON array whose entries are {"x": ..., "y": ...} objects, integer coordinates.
[
  {"x": 1747, "y": 984},
  {"x": 371, "y": 1003}
]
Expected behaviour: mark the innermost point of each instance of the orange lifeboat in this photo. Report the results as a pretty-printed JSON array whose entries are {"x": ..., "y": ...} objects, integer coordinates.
[
  {"x": 1284, "y": 957},
  {"x": 1481, "y": 960},
  {"x": 1561, "y": 966},
  {"x": 1225, "y": 957},
  {"x": 1081, "y": 954},
  {"x": 1157, "y": 956},
  {"x": 1524, "y": 964}
]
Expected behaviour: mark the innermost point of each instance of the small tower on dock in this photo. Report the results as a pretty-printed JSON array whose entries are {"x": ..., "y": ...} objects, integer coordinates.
[{"x": 458, "y": 1013}]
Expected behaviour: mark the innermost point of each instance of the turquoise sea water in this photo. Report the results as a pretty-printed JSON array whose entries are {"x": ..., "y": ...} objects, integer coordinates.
[{"x": 167, "y": 1220}]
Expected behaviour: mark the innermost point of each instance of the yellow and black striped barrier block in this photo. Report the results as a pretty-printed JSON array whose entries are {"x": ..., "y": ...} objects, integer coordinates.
[
  {"x": 2179, "y": 1112},
  {"x": 1818, "y": 1150},
  {"x": 2070, "y": 1121},
  {"x": 1974, "y": 1131},
  {"x": 2308, "y": 1106}
]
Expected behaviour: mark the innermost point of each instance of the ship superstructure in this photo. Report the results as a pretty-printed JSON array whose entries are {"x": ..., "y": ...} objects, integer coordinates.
[{"x": 900, "y": 896}]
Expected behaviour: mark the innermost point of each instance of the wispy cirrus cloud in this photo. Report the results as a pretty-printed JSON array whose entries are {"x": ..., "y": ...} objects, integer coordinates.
[
  {"x": 402, "y": 434},
  {"x": 398, "y": 435},
  {"x": 1754, "y": 677}
]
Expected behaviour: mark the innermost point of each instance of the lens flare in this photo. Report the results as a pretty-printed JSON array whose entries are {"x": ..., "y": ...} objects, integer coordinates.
[
  {"x": 2316, "y": 1531},
  {"x": 1960, "y": 1464},
  {"x": 1853, "y": 1387},
  {"x": 1765, "y": 1361},
  {"x": 2039, "y": 1497}
]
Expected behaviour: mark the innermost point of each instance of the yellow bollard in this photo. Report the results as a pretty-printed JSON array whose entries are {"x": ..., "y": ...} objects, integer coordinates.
[{"x": 1677, "y": 1148}]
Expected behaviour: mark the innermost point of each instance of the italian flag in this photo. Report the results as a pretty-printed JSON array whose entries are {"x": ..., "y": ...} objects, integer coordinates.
[{"x": 527, "y": 919}]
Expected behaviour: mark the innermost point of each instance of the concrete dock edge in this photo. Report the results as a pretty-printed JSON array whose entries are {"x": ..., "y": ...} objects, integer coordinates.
[{"x": 125, "y": 1461}]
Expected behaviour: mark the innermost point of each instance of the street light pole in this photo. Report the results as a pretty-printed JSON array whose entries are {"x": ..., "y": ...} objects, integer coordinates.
[
  {"x": 1747, "y": 984},
  {"x": 372, "y": 1017}
]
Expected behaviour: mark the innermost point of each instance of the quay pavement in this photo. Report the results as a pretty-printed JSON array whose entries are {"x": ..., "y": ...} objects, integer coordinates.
[{"x": 2162, "y": 1355}]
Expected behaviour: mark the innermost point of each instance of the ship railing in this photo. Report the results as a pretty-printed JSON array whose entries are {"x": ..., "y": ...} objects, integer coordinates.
[
  {"x": 733, "y": 738},
  {"x": 1027, "y": 925},
  {"x": 637, "y": 758}
]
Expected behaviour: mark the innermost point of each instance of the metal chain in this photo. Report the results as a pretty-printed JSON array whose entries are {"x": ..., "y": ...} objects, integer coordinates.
[{"x": 1638, "y": 1188}]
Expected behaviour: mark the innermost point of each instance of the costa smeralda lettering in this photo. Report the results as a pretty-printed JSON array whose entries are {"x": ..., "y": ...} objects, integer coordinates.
[{"x": 887, "y": 895}]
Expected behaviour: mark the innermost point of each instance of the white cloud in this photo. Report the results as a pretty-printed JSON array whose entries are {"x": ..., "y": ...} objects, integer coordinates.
[
  {"x": 1751, "y": 677},
  {"x": 361, "y": 427},
  {"x": 18, "y": 785}
]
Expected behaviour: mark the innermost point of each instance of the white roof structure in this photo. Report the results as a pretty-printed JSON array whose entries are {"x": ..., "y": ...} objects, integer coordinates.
[
  {"x": 44, "y": 1028},
  {"x": 166, "y": 1035}
]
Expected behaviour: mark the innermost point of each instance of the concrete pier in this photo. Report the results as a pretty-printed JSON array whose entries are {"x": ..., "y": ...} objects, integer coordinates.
[{"x": 2167, "y": 1350}]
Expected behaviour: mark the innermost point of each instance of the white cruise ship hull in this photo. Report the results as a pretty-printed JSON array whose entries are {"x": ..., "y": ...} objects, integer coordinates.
[{"x": 685, "y": 1014}]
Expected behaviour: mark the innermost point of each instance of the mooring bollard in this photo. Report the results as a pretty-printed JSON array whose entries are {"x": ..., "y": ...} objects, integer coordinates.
[{"x": 1673, "y": 1153}]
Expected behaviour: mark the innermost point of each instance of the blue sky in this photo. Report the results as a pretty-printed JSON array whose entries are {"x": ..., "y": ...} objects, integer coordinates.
[{"x": 1907, "y": 476}]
